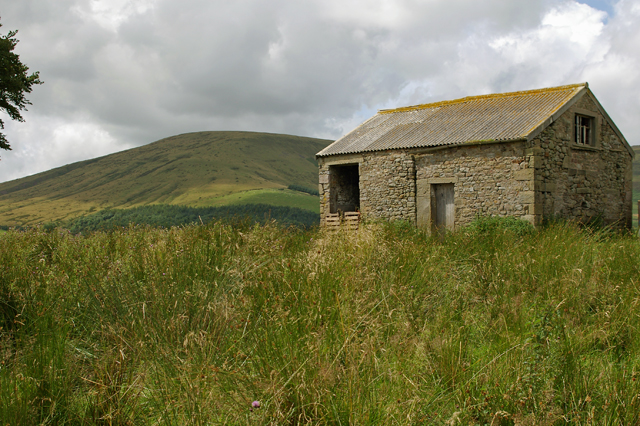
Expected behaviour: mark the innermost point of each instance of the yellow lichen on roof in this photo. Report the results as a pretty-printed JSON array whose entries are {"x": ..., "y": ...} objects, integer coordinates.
[
  {"x": 483, "y": 97},
  {"x": 497, "y": 117}
]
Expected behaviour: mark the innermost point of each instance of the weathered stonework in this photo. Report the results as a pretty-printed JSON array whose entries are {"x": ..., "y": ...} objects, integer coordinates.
[
  {"x": 387, "y": 186},
  {"x": 577, "y": 182},
  {"x": 541, "y": 176},
  {"x": 489, "y": 179}
]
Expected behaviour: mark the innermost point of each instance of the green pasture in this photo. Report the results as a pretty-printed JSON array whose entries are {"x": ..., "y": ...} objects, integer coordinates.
[{"x": 275, "y": 197}]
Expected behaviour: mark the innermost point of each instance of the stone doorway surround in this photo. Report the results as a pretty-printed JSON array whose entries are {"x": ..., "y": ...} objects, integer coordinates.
[{"x": 435, "y": 203}]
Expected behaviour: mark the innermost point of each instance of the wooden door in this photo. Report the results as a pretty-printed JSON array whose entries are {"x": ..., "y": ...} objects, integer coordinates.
[{"x": 445, "y": 211}]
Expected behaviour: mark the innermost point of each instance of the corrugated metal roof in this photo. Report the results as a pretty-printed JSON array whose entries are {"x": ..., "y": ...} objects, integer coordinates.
[{"x": 496, "y": 117}]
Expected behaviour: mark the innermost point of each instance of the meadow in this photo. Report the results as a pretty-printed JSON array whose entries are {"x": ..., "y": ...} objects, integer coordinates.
[{"x": 191, "y": 325}]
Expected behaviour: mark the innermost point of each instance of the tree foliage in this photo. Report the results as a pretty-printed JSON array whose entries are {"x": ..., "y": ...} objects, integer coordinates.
[
  {"x": 169, "y": 215},
  {"x": 15, "y": 82}
]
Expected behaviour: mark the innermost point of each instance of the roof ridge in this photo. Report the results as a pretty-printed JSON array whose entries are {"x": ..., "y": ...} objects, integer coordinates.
[{"x": 487, "y": 96}]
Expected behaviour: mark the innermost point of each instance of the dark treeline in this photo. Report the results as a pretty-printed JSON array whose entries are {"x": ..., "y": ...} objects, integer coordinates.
[
  {"x": 300, "y": 188},
  {"x": 168, "y": 215}
]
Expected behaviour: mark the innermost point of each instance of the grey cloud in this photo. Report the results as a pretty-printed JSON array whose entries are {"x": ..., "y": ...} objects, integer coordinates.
[{"x": 309, "y": 68}]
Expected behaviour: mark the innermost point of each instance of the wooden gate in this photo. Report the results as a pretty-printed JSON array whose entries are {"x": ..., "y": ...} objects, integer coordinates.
[{"x": 346, "y": 220}]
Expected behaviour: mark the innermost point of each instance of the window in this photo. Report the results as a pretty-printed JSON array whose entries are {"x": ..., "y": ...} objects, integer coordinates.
[{"x": 583, "y": 130}]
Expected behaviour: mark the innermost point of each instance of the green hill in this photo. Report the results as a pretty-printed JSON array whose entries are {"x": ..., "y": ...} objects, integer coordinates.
[{"x": 194, "y": 169}]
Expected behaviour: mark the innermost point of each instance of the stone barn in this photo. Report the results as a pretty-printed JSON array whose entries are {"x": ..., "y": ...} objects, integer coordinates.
[{"x": 533, "y": 155}]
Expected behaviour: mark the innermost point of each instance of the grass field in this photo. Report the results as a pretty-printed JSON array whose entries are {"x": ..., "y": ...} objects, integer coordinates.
[
  {"x": 276, "y": 197},
  {"x": 384, "y": 326},
  {"x": 636, "y": 182}
]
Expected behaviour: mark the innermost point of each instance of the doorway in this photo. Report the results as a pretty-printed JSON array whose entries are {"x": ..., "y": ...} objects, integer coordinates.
[
  {"x": 435, "y": 206},
  {"x": 344, "y": 188},
  {"x": 443, "y": 220}
]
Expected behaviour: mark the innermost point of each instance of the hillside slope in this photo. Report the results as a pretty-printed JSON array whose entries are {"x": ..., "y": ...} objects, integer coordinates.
[{"x": 195, "y": 169}]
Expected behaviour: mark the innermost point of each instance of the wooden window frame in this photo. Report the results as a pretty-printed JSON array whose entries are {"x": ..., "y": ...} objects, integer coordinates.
[
  {"x": 583, "y": 130},
  {"x": 585, "y": 121}
]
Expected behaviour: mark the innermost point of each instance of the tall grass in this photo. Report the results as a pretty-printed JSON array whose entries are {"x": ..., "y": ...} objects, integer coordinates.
[{"x": 383, "y": 326}]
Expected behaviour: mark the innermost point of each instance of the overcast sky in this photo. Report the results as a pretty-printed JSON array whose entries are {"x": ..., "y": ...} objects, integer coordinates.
[{"x": 124, "y": 73}]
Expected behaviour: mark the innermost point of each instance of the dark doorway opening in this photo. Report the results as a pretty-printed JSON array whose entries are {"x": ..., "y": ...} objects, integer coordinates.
[{"x": 344, "y": 188}]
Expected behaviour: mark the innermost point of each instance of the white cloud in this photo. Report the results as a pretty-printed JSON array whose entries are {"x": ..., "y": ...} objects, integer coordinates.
[
  {"x": 110, "y": 14},
  {"x": 571, "y": 43},
  {"x": 572, "y": 27},
  {"x": 52, "y": 141},
  {"x": 615, "y": 79}
]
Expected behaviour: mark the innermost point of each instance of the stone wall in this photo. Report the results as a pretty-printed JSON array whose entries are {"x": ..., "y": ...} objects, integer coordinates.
[
  {"x": 580, "y": 182},
  {"x": 388, "y": 186},
  {"x": 489, "y": 179}
]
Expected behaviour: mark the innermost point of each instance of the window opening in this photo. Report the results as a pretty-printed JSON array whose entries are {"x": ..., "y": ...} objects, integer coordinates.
[{"x": 584, "y": 126}]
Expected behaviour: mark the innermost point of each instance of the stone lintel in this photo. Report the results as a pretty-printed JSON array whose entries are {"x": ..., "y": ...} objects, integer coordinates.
[
  {"x": 442, "y": 180},
  {"x": 549, "y": 187},
  {"x": 343, "y": 159}
]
